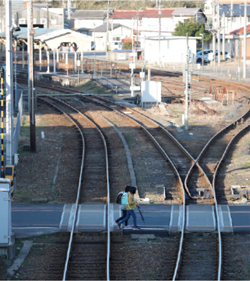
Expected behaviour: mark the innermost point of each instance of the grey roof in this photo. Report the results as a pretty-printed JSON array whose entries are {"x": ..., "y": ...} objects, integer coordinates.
[
  {"x": 89, "y": 14},
  {"x": 186, "y": 11},
  {"x": 103, "y": 27}
]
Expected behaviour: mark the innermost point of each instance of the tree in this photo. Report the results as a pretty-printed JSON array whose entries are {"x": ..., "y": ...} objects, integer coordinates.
[
  {"x": 127, "y": 46},
  {"x": 55, "y": 4},
  {"x": 193, "y": 29}
]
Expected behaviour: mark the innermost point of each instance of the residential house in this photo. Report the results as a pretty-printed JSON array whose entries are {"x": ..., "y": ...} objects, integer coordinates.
[
  {"x": 152, "y": 21},
  {"x": 182, "y": 14},
  {"x": 238, "y": 37},
  {"x": 155, "y": 20},
  {"x": 111, "y": 40},
  {"x": 129, "y": 18},
  {"x": 87, "y": 18}
]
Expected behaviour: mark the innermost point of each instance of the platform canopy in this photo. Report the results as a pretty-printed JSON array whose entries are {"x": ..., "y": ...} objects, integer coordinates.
[{"x": 52, "y": 39}]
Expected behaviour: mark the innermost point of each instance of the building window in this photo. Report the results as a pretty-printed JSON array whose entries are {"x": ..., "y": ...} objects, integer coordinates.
[
  {"x": 22, "y": 21},
  {"x": 43, "y": 21}
]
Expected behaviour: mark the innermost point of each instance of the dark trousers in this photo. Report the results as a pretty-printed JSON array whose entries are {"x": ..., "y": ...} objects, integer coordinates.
[
  {"x": 124, "y": 214},
  {"x": 129, "y": 213}
]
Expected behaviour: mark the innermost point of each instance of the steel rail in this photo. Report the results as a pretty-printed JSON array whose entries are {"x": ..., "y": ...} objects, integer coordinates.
[
  {"x": 78, "y": 190},
  {"x": 108, "y": 186},
  {"x": 186, "y": 188},
  {"x": 153, "y": 121},
  {"x": 214, "y": 179},
  {"x": 162, "y": 151},
  {"x": 218, "y": 133},
  {"x": 194, "y": 162},
  {"x": 212, "y": 185}
]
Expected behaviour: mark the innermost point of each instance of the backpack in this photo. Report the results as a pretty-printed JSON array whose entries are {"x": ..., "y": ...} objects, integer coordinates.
[
  {"x": 124, "y": 199},
  {"x": 119, "y": 197}
]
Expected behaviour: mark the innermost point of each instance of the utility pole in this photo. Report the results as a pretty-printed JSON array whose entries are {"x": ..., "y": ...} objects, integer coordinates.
[
  {"x": 69, "y": 10},
  {"x": 245, "y": 42},
  {"x": 31, "y": 77},
  {"x": 9, "y": 85},
  {"x": 231, "y": 14},
  {"x": 214, "y": 33},
  {"x": 239, "y": 58},
  {"x": 231, "y": 25},
  {"x": 218, "y": 31},
  {"x": 107, "y": 37},
  {"x": 223, "y": 39},
  {"x": 47, "y": 14},
  {"x": 159, "y": 12},
  {"x": 202, "y": 48},
  {"x": 186, "y": 87},
  {"x": 94, "y": 52}
]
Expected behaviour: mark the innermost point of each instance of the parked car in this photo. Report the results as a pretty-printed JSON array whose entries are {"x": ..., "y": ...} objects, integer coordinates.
[
  {"x": 205, "y": 56},
  {"x": 211, "y": 56}
]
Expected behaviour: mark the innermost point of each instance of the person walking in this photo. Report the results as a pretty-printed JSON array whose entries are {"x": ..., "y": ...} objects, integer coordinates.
[
  {"x": 132, "y": 203},
  {"x": 123, "y": 207}
]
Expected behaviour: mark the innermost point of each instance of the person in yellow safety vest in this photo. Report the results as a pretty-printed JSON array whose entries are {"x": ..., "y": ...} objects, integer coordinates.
[{"x": 132, "y": 203}]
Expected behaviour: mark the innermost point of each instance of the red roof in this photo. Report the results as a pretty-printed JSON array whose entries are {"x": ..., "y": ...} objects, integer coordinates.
[
  {"x": 154, "y": 13},
  {"x": 148, "y": 13},
  {"x": 123, "y": 14},
  {"x": 240, "y": 30}
]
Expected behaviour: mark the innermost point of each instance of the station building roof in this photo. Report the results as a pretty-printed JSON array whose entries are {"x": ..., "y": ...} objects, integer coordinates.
[
  {"x": 22, "y": 34},
  {"x": 42, "y": 34}
]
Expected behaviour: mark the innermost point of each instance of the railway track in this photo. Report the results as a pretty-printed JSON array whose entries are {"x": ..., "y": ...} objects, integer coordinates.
[
  {"x": 212, "y": 242},
  {"x": 210, "y": 259},
  {"x": 176, "y": 174},
  {"x": 97, "y": 266},
  {"x": 213, "y": 247}
]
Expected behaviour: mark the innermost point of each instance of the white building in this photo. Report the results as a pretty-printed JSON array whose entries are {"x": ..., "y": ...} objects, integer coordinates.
[
  {"x": 87, "y": 18},
  {"x": 116, "y": 32},
  {"x": 173, "y": 49}
]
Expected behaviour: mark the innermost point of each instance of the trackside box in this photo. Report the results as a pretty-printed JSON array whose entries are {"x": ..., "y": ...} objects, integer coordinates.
[{"x": 5, "y": 211}]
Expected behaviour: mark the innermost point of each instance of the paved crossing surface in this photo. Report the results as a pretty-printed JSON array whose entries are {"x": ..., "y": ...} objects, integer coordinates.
[{"x": 28, "y": 220}]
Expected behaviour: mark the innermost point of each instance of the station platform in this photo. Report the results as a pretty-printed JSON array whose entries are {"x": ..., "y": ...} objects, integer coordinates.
[{"x": 33, "y": 219}]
